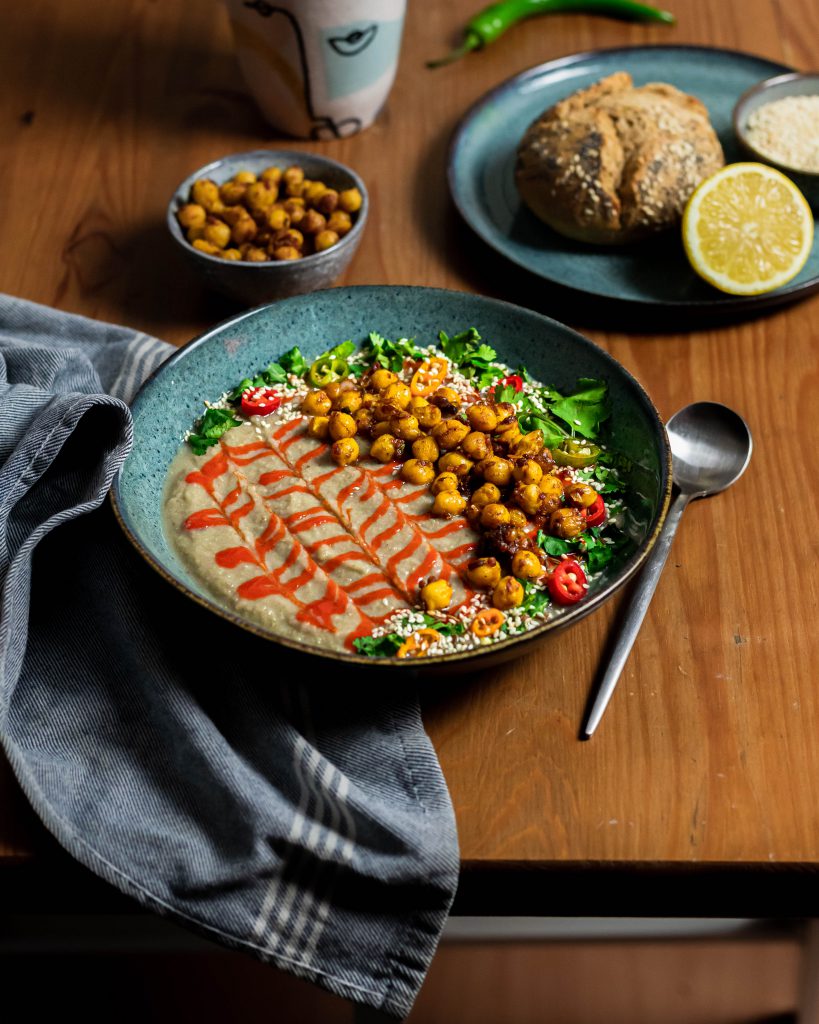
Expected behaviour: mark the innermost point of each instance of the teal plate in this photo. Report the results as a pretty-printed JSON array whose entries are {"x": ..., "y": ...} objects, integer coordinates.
[
  {"x": 170, "y": 401},
  {"x": 652, "y": 273}
]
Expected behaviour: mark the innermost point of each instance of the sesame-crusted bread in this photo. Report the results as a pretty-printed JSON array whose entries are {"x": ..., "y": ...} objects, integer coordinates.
[{"x": 613, "y": 163}]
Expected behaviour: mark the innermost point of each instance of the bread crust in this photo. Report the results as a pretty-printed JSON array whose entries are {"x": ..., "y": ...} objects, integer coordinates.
[{"x": 614, "y": 163}]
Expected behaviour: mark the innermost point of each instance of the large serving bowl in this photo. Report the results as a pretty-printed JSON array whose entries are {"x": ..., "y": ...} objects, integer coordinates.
[{"x": 172, "y": 399}]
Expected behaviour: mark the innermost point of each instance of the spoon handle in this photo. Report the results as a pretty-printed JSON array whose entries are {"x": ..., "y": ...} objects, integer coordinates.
[{"x": 635, "y": 608}]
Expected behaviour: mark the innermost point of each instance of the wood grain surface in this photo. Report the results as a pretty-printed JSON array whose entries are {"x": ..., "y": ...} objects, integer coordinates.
[{"x": 709, "y": 753}]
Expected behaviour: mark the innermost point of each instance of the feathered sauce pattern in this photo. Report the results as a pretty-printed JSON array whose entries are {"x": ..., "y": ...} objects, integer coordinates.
[{"x": 338, "y": 549}]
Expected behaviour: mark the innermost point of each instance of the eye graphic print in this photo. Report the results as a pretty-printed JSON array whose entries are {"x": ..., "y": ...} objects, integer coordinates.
[{"x": 354, "y": 42}]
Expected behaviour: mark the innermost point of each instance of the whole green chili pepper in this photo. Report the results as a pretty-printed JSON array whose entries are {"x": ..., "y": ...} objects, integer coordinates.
[{"x": 490, "y": 23}]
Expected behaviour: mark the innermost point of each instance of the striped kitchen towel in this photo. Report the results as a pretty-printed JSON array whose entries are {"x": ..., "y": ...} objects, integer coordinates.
[{"x": 275, "y": 803}]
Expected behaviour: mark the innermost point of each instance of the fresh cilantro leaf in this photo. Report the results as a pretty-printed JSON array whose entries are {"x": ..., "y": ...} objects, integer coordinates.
[
  {"x": 210, "y": 428},
  {"x": 275, "y": 374},
  {"x": 294, "y": 362},
  {"x": 378, "y": 647},
  {"x": 555, "y": 546},
  {"x": 535, "y": 599},
  {"x": 506, "y": 393},
  {"x": 239, "y": 390},
  {"x": 553, "y": 433},
  {"x": 390, "y": 354},
  {"x": 444, "y": 628},
  {"x": 342, "y": 351},
  {"x": 524, "y": 374},
  {"x": 586, "y": 409}
]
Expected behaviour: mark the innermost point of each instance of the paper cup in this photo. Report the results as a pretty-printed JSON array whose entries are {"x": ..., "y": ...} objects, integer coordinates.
[{"x": 319, "y": 69}]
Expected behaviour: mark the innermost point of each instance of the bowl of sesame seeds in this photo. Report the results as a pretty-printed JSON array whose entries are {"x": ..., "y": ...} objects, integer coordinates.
[{"x": 777, "y": 122}]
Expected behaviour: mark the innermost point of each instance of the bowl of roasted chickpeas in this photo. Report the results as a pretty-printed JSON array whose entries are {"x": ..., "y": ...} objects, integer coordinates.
[{"x": 268, "y": 224}]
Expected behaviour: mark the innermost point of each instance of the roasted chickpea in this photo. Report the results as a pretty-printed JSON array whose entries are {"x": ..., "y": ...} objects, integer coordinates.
[
  {"x": 417, "y": 402},
  {"x": 399, "y": 394},
  {"x": 447, "y": 399},
  {"x": 381, "y": 379},
  {"x": 317, "y": 403},
  {"x": 528, "y": 497},
  {"x": 341, "y": 425},
  {"x": 484, "y": 572},
  {"x": 485, "y": 495},
  {"x": 345, "y": 451},
  {"x": 192, "y": 215},
  {"x": 425, "y": 448},
  {"x": 551, "y": 485},
  {"x": 529, "y": 444},
  {"x": 340, "y": 222},
  {"x": 508, "y": 433},
  {"x": 418, "y": 471},
  {"x": 494, "y": 514},
  {"x": 313, "y": 191},
  {"x": 567, "y": 522},
  {"x": 194, "y": 233},
  {"x": 289, "y": 236},
  {"x": 206, "y": 247},
  {"x": 286, "y": 252},
  {"x": 526, "y": 565},
  {"x": 319, "y": 426},
  {"x": 363, "y": 420},
  {"x": 348, "y": 401},
  {"x": 205, "y": 193},
  {"x": 505, "y": 411},
  {"x": 333, "y": 389},
  {"x": 232, "y": 192},
  {"x": 293, "y": 176},
  {"x": 527, "y": 472},
  {"x": 295, "y": 212},
  {"x": 370, "y": 401},
  {"x": 582, "y": 495},
  {"x": 405, "y": 426},
  {"x": 216, "y": 232},
  {"x": 313, "y": 222},
  {"x": 350, "y": 200},
  {"x": 476, "y": 445},
  {"x": 278, "y": 218},
  {"x": 518, "y": 518},
  {"x": 244, "y": 177},
  {"x": 482, "y": 417},
  {"x": 436, "y": 595},
  {"x": 271, "y": 175},
  {"x": 325, "y": 240},
  {"x": 244, "y": 230},
  {"x": 379, "y": 426},
  {"x": 508, "y": 593},
  {"x": 327, "y": 201},
  {"x": 449, "y": 433},
  {"x": 428, "y": 416},
  {"x": 260, "y": 197},
  {"x": 444, "y": 482},
  {"x": 253, "y": 254},
  {"x": 448, "y": 504},
  {"x": 230, "y": 254},
  {"x": 386, "y": 448},
  {"x": 452, "y": 462},
  {"x": 496, "y": 471}
]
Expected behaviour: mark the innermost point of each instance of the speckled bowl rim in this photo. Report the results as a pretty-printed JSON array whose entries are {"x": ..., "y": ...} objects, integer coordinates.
[
  {"x": 270, "y": 266},
  {"x": 721, "y": 303},
  {"x": 763, "y": 86},
  {"x": 522, "y": 642}
]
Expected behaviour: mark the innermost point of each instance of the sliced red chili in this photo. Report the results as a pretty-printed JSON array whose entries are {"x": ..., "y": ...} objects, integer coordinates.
[
  {"x": 596, "y": 512},
  {"x": 512, "y": 381},
  {"x": 567, "y": 583},
  {"x": 260, "y": 401}
]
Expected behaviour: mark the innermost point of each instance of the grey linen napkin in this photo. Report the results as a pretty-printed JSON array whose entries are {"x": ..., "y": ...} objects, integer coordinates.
[{"x": 275, "y": 803}]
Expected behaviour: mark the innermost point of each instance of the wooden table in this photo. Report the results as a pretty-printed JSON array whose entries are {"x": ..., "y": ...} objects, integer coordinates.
[{"x": 707, "y": 763}]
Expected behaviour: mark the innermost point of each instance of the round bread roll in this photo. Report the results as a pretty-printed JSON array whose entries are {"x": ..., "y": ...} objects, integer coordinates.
[{"x": 613, "y": 163}]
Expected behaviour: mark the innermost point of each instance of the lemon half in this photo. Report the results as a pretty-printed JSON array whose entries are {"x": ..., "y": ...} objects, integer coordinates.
[{"x": 747, "y": 229}]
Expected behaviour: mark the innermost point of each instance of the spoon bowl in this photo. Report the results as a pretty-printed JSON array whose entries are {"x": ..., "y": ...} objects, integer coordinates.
[{"x": 710, "y": 448}]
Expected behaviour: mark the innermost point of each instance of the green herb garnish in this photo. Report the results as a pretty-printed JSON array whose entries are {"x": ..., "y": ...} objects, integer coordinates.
[
  {"x": 390, "y": 354},
  {"x": 294, "y": 362},
  {"x": 378, "y": 646},
  {"x": 210, "y": 428}
]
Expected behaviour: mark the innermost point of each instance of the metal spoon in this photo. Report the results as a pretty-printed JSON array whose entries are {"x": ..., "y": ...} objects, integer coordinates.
[{"x": 710, "y": 447}]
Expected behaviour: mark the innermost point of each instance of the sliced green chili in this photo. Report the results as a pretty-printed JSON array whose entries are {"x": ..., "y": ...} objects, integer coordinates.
[
  {"x": 576, "y": 453},
  {"x": 327, "y": 368},
  {"x": 490, "y": 23}
]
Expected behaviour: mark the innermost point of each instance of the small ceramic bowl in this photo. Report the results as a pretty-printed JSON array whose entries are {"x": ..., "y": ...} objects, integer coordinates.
[
  {"x": 251, "y": 284},
  {"x": 767, "y": 91}
]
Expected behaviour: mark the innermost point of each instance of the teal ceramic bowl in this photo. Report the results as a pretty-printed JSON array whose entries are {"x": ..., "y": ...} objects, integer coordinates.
[
  {"x": 250, "y": 284},
  {"x": 171, "y": 400}
]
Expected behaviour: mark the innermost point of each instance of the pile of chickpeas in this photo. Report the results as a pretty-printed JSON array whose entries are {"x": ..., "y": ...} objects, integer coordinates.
[
  {"x": 276, "y": 215},
  {"x": 476, "y": 462}
]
